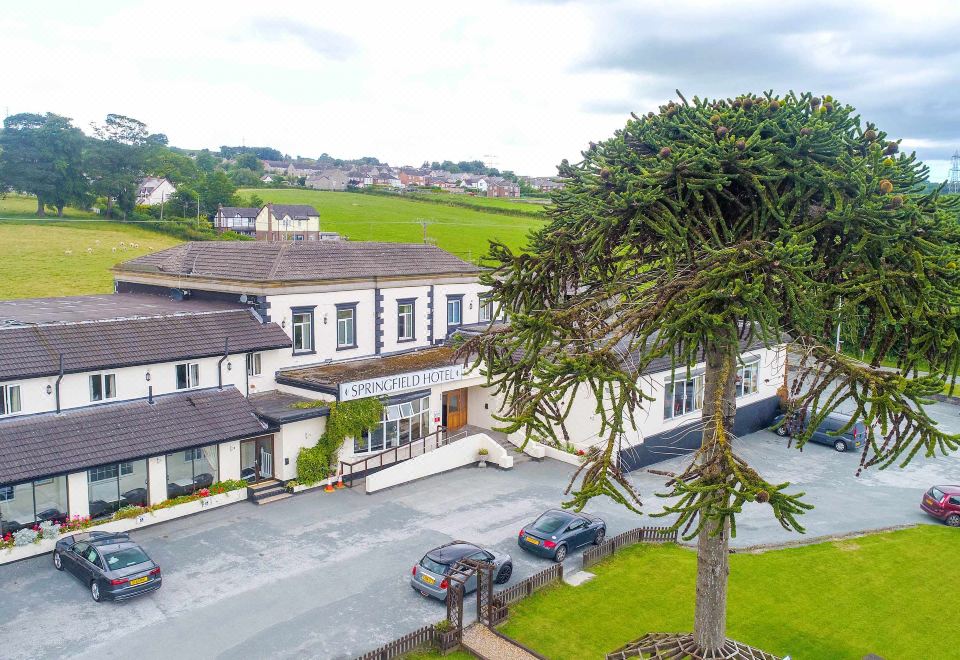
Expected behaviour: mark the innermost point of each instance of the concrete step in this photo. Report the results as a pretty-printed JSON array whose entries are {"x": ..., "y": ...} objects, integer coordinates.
[{"x": 273, "y": 498}]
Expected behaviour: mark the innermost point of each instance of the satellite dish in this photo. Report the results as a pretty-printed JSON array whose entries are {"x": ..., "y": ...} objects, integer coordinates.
[{"x": 243, "y": 297}]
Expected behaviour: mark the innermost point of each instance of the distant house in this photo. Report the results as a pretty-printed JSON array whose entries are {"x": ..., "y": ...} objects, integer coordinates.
[
  {"x": 328, "y": 180},
  {"x": 388, "y": 179},
  {"x": 412, "y": 177},
  {"x": 266, "y": 178},
  {"x": 276, "y": 166},
  {"x": 545, "y": 184},
  {"x": 359, "y": 178},
  {"x": 242, "y": 220},
  {"x": 477, "y": 183},
  {"x": 289, "y": 222},
  {"x": 154, "y": 190},
  {"x": 500, "y": 187}
]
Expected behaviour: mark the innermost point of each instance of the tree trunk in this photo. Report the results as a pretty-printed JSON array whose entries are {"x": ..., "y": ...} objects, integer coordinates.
[
  {"x": 110, "y": 207},
  {"x": 59, "y": 210},
  {"x": 713, "y": 560},
  {"x": 41, "y": 212}
]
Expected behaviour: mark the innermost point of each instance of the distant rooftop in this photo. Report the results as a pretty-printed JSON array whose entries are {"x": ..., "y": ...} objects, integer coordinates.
[
  {"x": 297, "y": 261},
  {"x": 108, "y": 306}
]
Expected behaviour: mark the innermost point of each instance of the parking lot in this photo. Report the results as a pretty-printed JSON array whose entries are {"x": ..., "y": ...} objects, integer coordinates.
[{"x": 326, "y": 575}]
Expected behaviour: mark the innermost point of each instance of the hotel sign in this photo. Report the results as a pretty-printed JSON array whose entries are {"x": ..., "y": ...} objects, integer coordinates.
[{"x": 388, "y": 385}]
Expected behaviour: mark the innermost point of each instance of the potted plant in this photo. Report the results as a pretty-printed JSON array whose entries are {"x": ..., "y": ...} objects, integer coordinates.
[{"x": 483, "y": 456}]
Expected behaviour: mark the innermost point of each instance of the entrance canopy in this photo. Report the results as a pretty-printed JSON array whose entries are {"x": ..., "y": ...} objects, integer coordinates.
[{"x": 378, "y": 377}]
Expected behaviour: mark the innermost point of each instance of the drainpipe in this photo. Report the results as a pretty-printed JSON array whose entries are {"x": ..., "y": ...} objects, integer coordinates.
[
  {"x": 226, "y": 342},
  {"x": 247, "y": 372},
  {"x": 57, "y": 386},
  {"x": 150, "y": 395}
]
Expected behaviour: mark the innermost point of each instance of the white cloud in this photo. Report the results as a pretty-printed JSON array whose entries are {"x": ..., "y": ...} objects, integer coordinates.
[{"x": 529, "y": 83}]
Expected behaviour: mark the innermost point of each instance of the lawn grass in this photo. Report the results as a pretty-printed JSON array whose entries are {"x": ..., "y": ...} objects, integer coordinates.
[
  {"x": 25, "y": 206},
  {"x": 462, "y": 231},
  {"x": 521, "y": 205},
  {"x": 430, "y": 654},
  {"x": 883, "y": 593},
  {"x": 35, "y": 262}
]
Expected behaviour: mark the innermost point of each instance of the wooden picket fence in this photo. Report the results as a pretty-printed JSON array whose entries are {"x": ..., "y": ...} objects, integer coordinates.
[
  {"x": 524, "y": 588},
  {"x": 406, "y": 644},
  {"x": 637, "y": 535}
]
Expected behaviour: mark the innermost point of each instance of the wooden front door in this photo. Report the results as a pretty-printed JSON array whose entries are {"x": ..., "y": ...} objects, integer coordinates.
[{"x": 455, "y": 409}]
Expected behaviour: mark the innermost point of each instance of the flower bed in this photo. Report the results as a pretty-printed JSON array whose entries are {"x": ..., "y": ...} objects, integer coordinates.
[{"x": 42, "y": 538}]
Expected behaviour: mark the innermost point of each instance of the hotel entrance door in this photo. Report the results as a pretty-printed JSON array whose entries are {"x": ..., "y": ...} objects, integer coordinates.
[
  {"x": 455, "y": 409},
  {"x": 256, "y": 459}
]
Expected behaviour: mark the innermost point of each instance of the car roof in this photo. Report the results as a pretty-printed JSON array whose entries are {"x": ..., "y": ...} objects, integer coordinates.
[
  {"x": 560, "y": 512},
  {"x": 949, "y": 490},
  {"x": 452, "y": 551}
]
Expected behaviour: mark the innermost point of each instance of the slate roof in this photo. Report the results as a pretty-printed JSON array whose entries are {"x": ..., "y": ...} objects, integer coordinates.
[
  {"x": 47, "y": 444},
  {"x": 33, "y": 350},
  {"x": 242, "y": 211},
  {"x": 328, "y": 377},
  {"x": 102, "y": 307},
  {"x": 298, "y": 261},
  {"x": 295, "y": 210}
]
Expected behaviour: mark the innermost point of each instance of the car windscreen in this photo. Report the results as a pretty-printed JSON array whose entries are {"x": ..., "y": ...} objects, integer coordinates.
[
  {"x": 935, "y": 493},
  {"x": 549, "y": 523},
  {"x": 434, "y": 566},
  {"x": 124, "y": 558}
]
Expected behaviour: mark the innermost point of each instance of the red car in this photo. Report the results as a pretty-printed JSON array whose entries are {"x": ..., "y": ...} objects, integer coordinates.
[{"x": 943, "y": 503}]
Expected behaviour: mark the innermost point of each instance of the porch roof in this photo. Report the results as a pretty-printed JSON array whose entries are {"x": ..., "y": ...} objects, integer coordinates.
[
  {"x": 327, "y": 378},
  {"x": 283, "y": 407}
]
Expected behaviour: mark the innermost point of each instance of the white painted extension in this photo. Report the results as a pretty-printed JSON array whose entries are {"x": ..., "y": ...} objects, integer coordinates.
[{"x": 456, "y": 454}]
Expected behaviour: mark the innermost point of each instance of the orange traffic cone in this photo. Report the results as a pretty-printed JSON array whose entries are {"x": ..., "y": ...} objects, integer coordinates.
[
  {"x": 329, "y": 487},
  {"x": 340, "y": 481}
]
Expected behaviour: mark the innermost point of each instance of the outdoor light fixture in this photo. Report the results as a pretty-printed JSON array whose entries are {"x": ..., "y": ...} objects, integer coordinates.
[
  {"x": 147, "y": 377},
  {"x": 283, "y": 323},
  {"x": 229, "y": 366},
  {"x": 471, "y": 305},
  {"x": 49, "y": 388},
  {"x": 324, "y": 318}
]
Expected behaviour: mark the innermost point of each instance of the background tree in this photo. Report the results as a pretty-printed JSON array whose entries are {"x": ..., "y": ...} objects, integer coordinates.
[
  {"x": 706, "y": 227},
  {"x": 117, "y": 161},
  {"x": 43, "y": 155},
  {"x": 249, "y": 161}
]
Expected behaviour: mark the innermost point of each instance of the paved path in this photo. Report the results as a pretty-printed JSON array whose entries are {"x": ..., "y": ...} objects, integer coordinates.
[
  {"x": 325, "y": 575},
  {"x": 480, "y": 640}
]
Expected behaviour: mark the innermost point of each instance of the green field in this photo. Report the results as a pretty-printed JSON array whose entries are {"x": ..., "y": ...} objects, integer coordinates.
[
  {"x": 53, "y": 257},
  {"x": 525, "y": 206},
  {"x": 885, "y": 593},
  {"x": 462, "y": 231}
]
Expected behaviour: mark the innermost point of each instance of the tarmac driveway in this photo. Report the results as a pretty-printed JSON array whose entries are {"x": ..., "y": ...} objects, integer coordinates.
[{"x": 326, "y": 575}]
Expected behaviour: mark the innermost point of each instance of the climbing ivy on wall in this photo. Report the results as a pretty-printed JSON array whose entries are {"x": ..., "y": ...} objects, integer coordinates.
[{"x": 347, "y": 419}]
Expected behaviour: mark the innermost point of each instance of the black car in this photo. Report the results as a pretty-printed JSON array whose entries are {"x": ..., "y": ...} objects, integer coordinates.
[
  {"x": 827, "y": 433},
  {"x": 111, "y": 565},
  {"x": 556, "y": 532}
]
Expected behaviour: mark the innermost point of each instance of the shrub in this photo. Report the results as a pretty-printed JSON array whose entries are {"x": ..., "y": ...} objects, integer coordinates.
[
  {"x": 443, "y": 626},
  {"x": 25, "y": 536},
  {"x": 483, "y": 451},
  {"x": 131, "y": 511},
  {"x": 49, "y": 529},
  {"x": 227, "y": 485},
  {"x": 313, "y": 464}
]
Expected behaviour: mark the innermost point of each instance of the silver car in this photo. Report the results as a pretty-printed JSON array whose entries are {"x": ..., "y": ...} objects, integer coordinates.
[{"x": 430, "y": 575}]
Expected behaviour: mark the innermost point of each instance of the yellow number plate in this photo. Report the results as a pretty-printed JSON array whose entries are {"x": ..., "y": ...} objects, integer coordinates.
[
  {"x": 532, "y": 540},
  {"x": 139, "y": 580},
  {"x": 428, "y": 579}
]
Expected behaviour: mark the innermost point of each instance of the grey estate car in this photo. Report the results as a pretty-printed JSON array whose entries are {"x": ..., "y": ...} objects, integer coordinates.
[
  {"x": 853, "y": 438},
  {"x": 111, "y": 565},
  {"x": 430, "y": 575}
]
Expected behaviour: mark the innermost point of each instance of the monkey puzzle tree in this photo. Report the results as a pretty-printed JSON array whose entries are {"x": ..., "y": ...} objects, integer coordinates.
[{"x": 706, "y": 227}]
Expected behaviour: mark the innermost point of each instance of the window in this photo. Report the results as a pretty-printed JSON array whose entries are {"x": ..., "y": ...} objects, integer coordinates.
[
  {"x": 6, "y": 493},
  {"x": 24, "y": 505},
  {"x": 298, "y": 237},
  {"x": 113, "y": 486},
  {"x": 253, "y": 364},
  {"x": 346, "y": 326},
  {"x": 405, "y": 320},
  {"x": 747, "y": 378},
  {"x": 402, "y": 423},
  {"x": 454, "y": 310},
  {"x": 189, "y": 471},
  {"x": 303, "y": 330},
  {"x": 188, "y": 375},
  {"x": 9, "y": 399},
  {"x": 682, "y": 397},
  {"x": 486, "y": 309},
  {"x": 103, "y": 386}
]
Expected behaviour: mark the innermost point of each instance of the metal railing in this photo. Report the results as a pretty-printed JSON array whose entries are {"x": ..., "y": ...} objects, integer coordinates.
[{"x": 397, "y": 454}]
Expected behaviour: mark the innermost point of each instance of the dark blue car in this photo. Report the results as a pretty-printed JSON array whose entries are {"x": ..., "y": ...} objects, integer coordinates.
[
  {"x": 828, "y": 433},
  {"x": 111, "y": 565},
  {"x": 556, "y": 533}
]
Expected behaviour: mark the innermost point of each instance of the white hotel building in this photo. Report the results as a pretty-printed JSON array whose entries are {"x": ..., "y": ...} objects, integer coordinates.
[{"x": 191, "y": 372}]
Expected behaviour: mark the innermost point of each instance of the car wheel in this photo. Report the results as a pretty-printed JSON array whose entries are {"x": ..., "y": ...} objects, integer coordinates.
[
  {"x": 840, "y": 446},
  {"x": 782, "y": 431},
  {"x": 953, "y": 520},
  {"x": 95, "y": 591},
  {"x": 57, "y": 561},
  {"x": 504, "y": 574},
  {"x": 601, "y": 533},
  {"x": 561, "y": 554}
]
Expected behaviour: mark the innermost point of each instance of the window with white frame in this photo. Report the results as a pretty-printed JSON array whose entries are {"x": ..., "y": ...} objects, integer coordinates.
[
  {"x": 253, "y": 364},
  {"x": 682, "y": 397},
  {"x": 748, "y": 378},
  {"x": 188, "y": 375},
  {"x": 347, "y": 326},
  {"x": 194, "y": 454},
  {"x": 454, "y": 310},
  {"x": 486, "y": 309},
  {"x": 103, "y": 386},
  {"x": 6, "y": 493},
  {"x": 303, "y": 330},
  {"x": 405, "y": 320},
  {"x": 9, "y": 399}
]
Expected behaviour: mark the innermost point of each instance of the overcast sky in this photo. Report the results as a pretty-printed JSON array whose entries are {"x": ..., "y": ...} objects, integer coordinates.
[{"x": 521, "y": 85}]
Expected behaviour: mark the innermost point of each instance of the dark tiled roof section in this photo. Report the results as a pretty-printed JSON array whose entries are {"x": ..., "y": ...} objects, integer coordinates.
[
  {"x": 330, "y": 376},
  {"x": 103, "y": 307},
  {"x": 33, "y": 351},
  {"x": 42, "y": 445},
  {"x": 295, "y": 210},
  {"x": 281, "y": 407},
  {"x": 242, "y": 211},
  {"x": 298, "y": 261}
]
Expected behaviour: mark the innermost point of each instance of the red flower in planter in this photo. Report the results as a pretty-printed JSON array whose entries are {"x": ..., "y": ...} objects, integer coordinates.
[
  {"x": 580, "y": 452},
  {"x": 204, "y": 492}
]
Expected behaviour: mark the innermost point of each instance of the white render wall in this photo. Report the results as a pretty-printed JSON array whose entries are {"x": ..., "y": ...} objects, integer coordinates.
[
  {"x": 470, "y": 312},
  {"x": 290, "y": 440}
]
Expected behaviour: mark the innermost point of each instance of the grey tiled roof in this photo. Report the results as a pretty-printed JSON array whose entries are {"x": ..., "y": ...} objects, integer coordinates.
[
  {"x": 35, "y": 446},
  {"x": 293, "y": 261},
  {"x": 295, "y": 210},
  {"x": 103, "y": 307},
  {"x": 242, "y": 211},
  {"x": 33, "y": 351}
]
